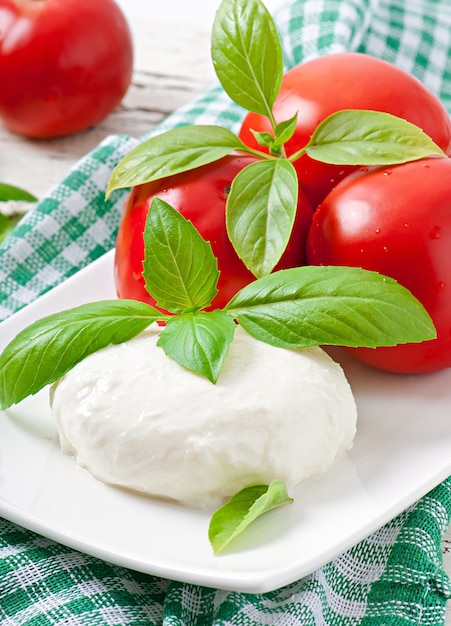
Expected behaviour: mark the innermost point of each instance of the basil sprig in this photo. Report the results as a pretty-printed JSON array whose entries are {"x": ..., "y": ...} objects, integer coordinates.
[
  {"x": 294, "y": 308},
  {"x": 247, "y": 57}
]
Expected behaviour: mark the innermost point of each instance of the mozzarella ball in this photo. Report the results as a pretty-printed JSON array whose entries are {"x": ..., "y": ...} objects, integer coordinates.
[{"x": 133, "y": 417}]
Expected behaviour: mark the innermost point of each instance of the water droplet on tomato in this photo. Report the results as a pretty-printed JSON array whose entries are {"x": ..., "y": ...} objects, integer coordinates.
[
  {"x": 440, "y": 286},
  {"x": 377, "y": 231},
  {"x": 385, "y": 248},
  {"x": 435, "y": 232},
  {"x": 387, "y": 173}
]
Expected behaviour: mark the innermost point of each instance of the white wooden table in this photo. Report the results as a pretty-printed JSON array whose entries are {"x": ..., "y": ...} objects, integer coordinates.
[{"x": 172, "y": 65}]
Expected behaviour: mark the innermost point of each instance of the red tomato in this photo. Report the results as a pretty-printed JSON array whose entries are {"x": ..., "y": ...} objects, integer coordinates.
[
  {"x": 348, "y": 80},
  {"x": 199, "y": 195},
  {"x": 64, "y": 64},
  {"x": 396, "y": 221}
]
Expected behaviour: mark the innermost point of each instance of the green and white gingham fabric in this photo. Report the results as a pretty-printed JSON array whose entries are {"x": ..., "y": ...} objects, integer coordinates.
[{"x": 395, "y": 576}]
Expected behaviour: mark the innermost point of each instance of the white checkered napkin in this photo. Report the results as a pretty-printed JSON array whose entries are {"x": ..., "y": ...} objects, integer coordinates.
[
  {"x": 68, "y": 229},
  {"x": 392, "y": 578},
  {"x": 414, "y": 35}
]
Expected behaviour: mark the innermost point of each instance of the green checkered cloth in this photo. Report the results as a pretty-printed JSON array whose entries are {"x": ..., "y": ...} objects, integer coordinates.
[{"x": 392, "y": 578}]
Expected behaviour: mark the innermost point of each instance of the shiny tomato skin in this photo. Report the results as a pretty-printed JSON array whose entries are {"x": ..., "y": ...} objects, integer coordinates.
[
  {"x": 200, "y": 196},
  {"x": 348, "y": 80},
  {"x": 64, "y": 64},
  {"x": 396, "y": 221}
]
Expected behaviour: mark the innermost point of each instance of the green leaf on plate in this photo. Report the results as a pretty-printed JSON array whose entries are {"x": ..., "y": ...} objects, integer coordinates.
[
  {"x": 260, "y": 213},
  {"x": 175, "y": 151},
  {"x": 199, "y": 341},
  {"x": 247, "y": 54},
  {"x": 44, "y": 351},
  {"x": 232, "y": 519},
  {"x": 180, "y": 269},
  {"x": 369, "y": 138},
  {"x": 330, "y": 305}
]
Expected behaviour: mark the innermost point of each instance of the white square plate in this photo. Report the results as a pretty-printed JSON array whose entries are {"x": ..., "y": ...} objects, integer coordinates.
[{"x": 402, "y": 450}]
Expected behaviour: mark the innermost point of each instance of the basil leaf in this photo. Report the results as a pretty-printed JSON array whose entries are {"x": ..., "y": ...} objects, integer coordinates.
[
  {"x": 230, "y": 520},
  {"x": 10, "y": 192},
  {"x": 284, "y": 131},
  {"x": 263, "y": 139},
  {"x": 247, "y": 54},
  {"x": 260, "y": 213},
  {"x": 369, "y": 138},
  {"x": 199, "y": 341},
  {"x": 175, "y": 151},
  {"x": 180, "y": 269},
  {"x": 16, "y": 202},
  {"x": 334, "y": 305},
  {"x": 7, "y": 224},
  {"x": 44, "y": 351}
]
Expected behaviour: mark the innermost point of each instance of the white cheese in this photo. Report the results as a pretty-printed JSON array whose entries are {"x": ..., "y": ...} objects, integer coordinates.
[{"x": 133, "y": 417}]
